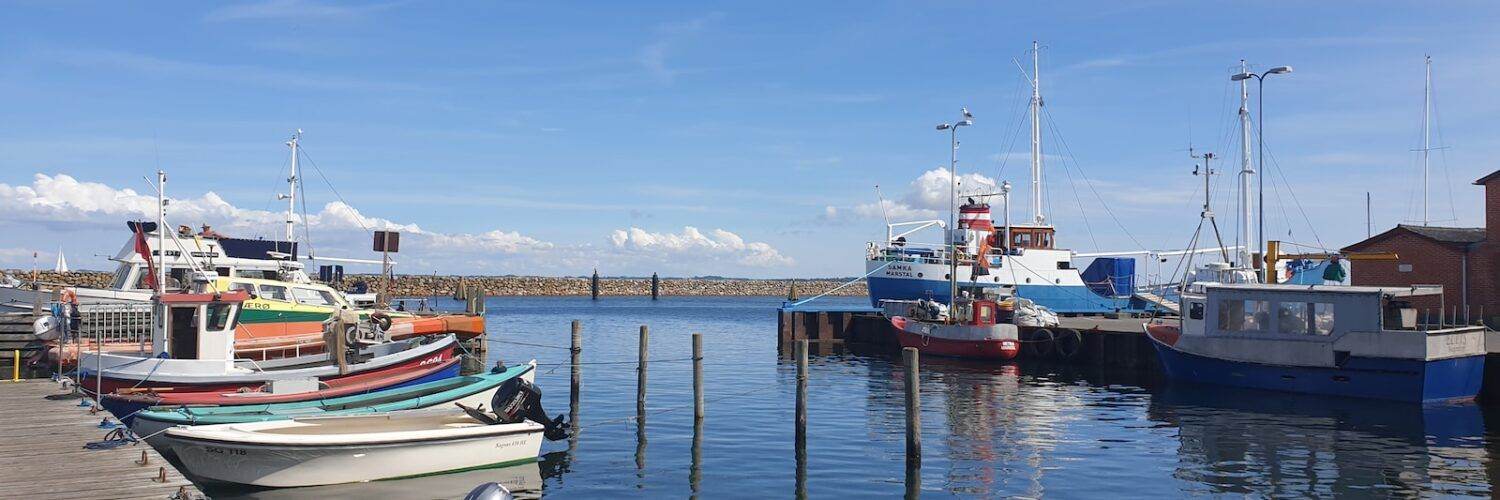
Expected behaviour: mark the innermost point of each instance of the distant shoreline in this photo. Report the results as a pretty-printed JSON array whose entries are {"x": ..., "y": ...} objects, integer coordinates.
[{"x": 522, "y": 286}]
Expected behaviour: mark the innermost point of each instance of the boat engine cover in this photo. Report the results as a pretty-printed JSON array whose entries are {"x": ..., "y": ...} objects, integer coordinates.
[{"x": 518, "y": 400}]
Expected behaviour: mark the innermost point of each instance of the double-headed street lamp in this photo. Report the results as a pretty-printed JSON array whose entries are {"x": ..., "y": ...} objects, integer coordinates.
[
  {"x": 952, "y": 129},
  {"x": 1261, "y": 137}
]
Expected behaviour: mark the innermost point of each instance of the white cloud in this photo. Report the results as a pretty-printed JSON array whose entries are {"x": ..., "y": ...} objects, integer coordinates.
[
  {"x": 87, "y": 217},
  {"x": 288, "y": 10},
  {"x": 926, "y": 197},
  {"x": 718, "y": 245}
]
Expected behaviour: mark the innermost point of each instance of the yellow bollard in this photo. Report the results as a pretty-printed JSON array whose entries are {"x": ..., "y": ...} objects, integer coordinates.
[{"x": 15, "y": 371}]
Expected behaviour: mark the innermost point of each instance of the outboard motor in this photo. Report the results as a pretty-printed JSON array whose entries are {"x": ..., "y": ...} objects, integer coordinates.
[{"x": 518, "y": 400}]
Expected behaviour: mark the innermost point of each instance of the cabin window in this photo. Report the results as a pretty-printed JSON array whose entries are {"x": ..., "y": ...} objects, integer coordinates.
[
  {"x": 221, "y": 271},
  {"x": 1195, "y": 310},
  {"x": 1062, "y": 264},
  {"x": 1243, "y": 315},
  {"x": 274, "y": 292},
  {"x": 122, "y": 276},
  {"x": 245, "y": 287},
  {"x": 1291, "y": 317},
  {"x": 1322, "y": 318},
  {"x": 218, "y": 317},
  {"x": 985, "y": 315},
  {"x": 308, "y": 296}
]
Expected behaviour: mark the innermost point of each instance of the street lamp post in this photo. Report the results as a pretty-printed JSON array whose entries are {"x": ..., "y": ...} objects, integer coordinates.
[
  {"x": 1261, "y": 167},
  {"x": 968, "y": 119}
]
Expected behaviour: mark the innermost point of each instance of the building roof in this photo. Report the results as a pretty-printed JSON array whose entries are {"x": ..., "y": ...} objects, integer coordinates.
[
  {"x": 1445, "y": 235},
  {"x": 1487, "y": 178}
]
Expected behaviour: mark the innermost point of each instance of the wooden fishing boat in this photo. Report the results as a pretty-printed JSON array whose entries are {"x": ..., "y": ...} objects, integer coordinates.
[
  {"x": 270, "y": 393},
  {"x": 471, "y": 390},
  {"x": 344, "y": 449},
  {"x": 196, "y": 355}
]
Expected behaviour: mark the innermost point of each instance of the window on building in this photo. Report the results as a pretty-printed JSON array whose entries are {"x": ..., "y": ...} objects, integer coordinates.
[
  {"x": 1243, "y": 315},
  {"x": 1405, "y": 268}
]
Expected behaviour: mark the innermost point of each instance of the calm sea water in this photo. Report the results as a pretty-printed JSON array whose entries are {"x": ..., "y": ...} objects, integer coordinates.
[{"x": 989, "y": 429}]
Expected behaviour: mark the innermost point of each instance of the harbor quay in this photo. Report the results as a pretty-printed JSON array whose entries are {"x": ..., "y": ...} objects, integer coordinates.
[{"x": 426, "y": 285}]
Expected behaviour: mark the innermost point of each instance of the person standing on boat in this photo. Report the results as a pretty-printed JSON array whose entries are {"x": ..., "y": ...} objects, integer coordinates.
[{"x": 1334, "y": 273}]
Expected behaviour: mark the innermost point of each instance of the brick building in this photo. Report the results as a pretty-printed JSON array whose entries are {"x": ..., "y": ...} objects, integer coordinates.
[{"x": 1466, "y": 261}]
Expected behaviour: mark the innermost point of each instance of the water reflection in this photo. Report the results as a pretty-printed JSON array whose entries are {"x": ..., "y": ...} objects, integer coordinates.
[
  {"x": 1253, "y": 442},
  {"x": 524, "y": 480}
]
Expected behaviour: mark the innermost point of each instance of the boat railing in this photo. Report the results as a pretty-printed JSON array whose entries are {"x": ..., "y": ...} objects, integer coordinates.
[
  {"x": 116, "y": 323},
  {"x": 252, "y": 363}
]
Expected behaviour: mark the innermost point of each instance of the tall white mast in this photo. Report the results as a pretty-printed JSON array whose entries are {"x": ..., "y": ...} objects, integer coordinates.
[
  {"x": 1426, "y": 135},
  {"x": 1246, "y": 170},
  {"x": 161, "y": 232},
  {"x": 1036, "y": 137},
  {"x": 291, "y": 196}
]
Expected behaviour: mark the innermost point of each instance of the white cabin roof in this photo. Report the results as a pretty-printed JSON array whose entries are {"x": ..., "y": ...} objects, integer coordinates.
[{"x": 1391, "y": 291}]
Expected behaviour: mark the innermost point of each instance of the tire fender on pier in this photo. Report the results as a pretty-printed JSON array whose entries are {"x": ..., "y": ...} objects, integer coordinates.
[
  {"x": 1068, "y": 343},
  {"x": 1040, "y": 343}
]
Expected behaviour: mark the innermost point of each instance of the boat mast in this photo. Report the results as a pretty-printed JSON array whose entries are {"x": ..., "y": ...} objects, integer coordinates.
[
  {"x": 291, "y": 196},
  {"x": 1036, "y": 138},
  {"x": 161, "y": 235},
  {"x": 1246, "y": 170},
  {"x": 1426, "y": 135}
]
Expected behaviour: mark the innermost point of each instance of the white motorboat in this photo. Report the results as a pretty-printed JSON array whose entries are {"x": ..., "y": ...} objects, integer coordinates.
[{"x": 334, "y": 450}]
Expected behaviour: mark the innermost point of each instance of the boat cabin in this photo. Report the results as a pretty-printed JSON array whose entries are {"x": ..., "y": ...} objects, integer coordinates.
[
  {"x": 1299, "y": 311},
  {"x": 198, "y": 326},
  {"x": 1029, "y": 236}
]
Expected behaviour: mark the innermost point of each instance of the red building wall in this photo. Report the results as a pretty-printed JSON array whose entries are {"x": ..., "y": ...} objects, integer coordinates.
[{"x": 1432, "y": 263}]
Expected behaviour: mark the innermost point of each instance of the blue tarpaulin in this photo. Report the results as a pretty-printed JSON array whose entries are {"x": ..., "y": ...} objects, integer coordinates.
[{"x": 1111, "y": 276}]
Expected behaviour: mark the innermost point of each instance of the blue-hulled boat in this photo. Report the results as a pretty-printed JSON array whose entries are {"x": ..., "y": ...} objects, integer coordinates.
[
  {"x": 472, "y": 390},
  {"x": 1332, "y": 340}
]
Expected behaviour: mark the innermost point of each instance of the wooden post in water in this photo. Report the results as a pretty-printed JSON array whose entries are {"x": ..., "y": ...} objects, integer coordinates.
[
  {"x": 577, "y": 383},
  {"x": 594, "y": 286},
  {"x": 640, "y": 381},
  {"x": 913, "y": 408},
  {"x": 698, "y": 376},
  {"x": 655, "y": 286},
  {"x": 479, "y": 305},
  {"x": 801, "y": 421}
]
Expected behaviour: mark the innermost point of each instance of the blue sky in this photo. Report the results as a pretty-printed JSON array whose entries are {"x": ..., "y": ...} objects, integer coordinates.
[{"x": 550, "y": 138}]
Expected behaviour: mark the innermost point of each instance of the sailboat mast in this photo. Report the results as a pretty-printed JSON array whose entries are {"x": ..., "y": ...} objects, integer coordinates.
[
  {"x": 291, "y": 197},
  {"x": 1036, "y": 137},
  {"x": 1426, "y": 135},
  {"x": 161, "y": 233},
  {"x": 1247, "y": 171}
]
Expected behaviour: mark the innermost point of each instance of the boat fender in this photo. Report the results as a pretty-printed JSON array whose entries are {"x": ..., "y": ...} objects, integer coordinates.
[
  {"x": 1041, "y": 342},
  {"x": 1068, "y": 343},
  {"x": 47, "y": 328},
  {"x": 489, "y": 491},
  {"x": 518, "y": 400}
]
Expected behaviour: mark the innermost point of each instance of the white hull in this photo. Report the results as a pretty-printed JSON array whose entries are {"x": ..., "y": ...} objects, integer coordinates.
[
  {"x": 335, "y": 450},
  {"x": 23, "y": 297}
]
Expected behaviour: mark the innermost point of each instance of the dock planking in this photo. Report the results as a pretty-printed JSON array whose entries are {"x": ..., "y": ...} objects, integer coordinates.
[{"x": 46, "y": 434}]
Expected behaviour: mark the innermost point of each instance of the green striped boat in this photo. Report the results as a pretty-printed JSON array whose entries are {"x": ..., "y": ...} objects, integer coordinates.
[{"x": 471, "y": 390}]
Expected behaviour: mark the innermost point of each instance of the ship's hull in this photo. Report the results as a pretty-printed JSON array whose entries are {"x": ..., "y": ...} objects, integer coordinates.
[
  {"x": 993, "y": 342},
  {"x": 1407, "y": 380},
  {"x": 1061, "y": 298}
]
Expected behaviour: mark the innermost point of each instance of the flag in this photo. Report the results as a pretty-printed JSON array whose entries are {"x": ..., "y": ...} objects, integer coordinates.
[{"x": 145, "y": 250}]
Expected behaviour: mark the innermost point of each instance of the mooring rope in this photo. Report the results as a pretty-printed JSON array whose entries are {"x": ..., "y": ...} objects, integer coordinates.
[{"x": 840, "y": 287}]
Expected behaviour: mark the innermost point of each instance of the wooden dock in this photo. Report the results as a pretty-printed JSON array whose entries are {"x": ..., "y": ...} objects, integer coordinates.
[
  {"x": 44, "y": 433},
  {"x": 1086, "y": 340}
]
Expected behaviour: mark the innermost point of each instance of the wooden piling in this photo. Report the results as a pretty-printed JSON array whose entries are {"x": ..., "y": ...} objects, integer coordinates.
[
  {"x": 655, "y": 286},
  {"x": 594, "y": 286},
  {"x": 913, "y": 407},
  {"x": 576, "y": 382},
  {"x": 640, "y": 381},
  {"x": 698, "y": 376},
  {"x": 801, "y": 420}
]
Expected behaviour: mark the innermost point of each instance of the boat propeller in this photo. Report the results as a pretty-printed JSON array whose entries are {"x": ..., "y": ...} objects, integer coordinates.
[{"x": 518, "y": 400}]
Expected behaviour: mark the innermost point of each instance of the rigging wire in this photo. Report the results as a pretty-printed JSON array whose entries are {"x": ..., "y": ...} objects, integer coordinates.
[
  {"x": 1051, "y": 122},
  {"x": 336, "y": 194}
]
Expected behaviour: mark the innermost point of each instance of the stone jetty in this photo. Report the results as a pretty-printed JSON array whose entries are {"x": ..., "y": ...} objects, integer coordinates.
[{"x": 429, "y": 285}]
